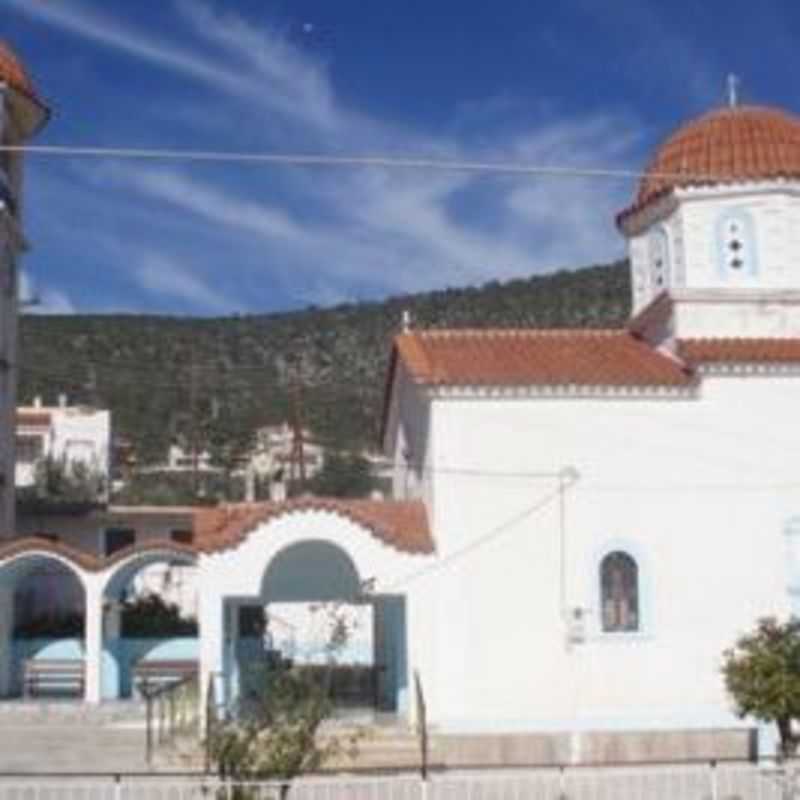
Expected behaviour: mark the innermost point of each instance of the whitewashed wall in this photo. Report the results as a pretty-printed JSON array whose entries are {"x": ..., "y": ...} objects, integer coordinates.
[
  {"x": 700, "y": 491},
  {"x": 238, "y": 573}
]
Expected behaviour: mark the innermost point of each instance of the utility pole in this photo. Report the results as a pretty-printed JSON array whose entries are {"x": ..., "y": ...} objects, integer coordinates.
[
  {"x": 298, "y": 456},
  {"x": 193, "y": 414}
]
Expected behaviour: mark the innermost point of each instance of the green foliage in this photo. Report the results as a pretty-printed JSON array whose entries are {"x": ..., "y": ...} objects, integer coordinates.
[
  {"x": 762, "y": 674},
  {"x": 343, "y": 475},
  {"x": 64, "y": 626},
  {"x": 277, "y": 739},
  {"x": 57, "y": 483},
  {"x": 178, "y": 489},
  {"x": 276, "y": 733},
  {"x": 150, "y": 617},
  {"x": 140, "y": 366}
]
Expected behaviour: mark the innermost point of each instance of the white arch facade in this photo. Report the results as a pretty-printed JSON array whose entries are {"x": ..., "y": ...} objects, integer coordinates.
[
  {"x": 11, "y": 568},
  {"x": 236, "y": 572},
  {"x": 239, "y": 572},
  {"x": 95, "y": 584}
]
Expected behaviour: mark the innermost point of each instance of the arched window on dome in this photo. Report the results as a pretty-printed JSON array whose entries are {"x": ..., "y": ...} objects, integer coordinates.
[
  {"x": 736, "y": 244},
  {"x": 659, "y": 257},
  {"x": 619, "y": 593}
]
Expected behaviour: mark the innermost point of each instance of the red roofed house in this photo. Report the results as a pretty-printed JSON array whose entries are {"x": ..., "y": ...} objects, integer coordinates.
[{"x": 582, "y": 520}]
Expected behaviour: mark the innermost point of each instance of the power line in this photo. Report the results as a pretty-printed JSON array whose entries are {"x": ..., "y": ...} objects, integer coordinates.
[
  {"x": 429, "y": 469},
  {"x": 481, "y": 541},
  {"x": 324, "y": 160}
]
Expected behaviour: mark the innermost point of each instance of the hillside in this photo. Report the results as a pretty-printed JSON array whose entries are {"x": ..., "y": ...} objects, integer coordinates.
[{"x": 141, "y": 366}]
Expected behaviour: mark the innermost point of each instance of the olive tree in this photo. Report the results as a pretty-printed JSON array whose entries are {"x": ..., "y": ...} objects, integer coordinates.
[
  {"x": 762, "y": 674},
  {"x": 274, "y": 736}
]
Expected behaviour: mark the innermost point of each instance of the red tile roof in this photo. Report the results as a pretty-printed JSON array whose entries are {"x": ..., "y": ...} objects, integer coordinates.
[
  {"x": 739, "y": 143},
  {"x": 37, "y": 544},
  {"x": 400, "y": 524},
  {"x": 34, "y": 419},
  {"x": 536, "y": 358},
  {"x": 44, "y": 544},
  {"x": 32, "y": 112},
  {"x": 740, "y": 351},
  {"x": 13, "y": 73}
]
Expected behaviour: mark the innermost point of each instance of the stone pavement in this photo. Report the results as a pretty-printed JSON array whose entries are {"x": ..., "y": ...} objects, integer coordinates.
[
  {"x": 70, "y": 748},
  {"x": 38, "y": 737}
]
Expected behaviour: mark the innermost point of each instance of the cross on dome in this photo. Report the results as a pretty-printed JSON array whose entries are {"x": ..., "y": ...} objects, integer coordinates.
[{"x": 733, "y": 90}]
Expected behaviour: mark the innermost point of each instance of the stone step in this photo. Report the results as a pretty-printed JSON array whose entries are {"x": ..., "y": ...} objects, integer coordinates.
[
  {"x": 62, "y": 747},
  {"x": 53, "y": 712},
  {"x": 359, "y": 749}
]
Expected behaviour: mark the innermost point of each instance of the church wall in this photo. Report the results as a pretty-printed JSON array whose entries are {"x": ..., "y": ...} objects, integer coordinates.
[
  {"x": 413, "y": 445},
  {"x": 699, "y": 491},
  {"x": 707, "y": 315}
]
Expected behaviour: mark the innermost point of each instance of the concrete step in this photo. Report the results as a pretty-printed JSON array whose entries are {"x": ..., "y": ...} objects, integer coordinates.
[
  {"x": 64, "y": 712},
  {"x": 62, "y": 747},
  {"x": 357, "y": 748}
]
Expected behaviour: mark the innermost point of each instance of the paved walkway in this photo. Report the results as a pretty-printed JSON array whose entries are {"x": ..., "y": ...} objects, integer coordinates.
[
  {"x": 37, "y": 737},
  {"x": 70, "y": 748}
]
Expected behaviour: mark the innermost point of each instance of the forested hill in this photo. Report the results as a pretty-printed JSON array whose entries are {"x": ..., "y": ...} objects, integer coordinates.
[{"x": 141, "y": 367}]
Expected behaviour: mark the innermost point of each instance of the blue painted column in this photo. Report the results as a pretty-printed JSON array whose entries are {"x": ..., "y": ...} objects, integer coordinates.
[
  {"x": 6, "y": 638},
  {"x": 391, "y": 650}
]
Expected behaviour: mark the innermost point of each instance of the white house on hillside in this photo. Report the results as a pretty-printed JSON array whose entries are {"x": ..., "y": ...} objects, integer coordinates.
[
  {"x": 66, "y": 435},
  {"x": 274, "y": 451}
]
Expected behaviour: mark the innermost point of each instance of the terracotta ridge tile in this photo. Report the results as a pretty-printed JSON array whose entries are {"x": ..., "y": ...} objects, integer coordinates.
[{"x": 366, "y": 516}]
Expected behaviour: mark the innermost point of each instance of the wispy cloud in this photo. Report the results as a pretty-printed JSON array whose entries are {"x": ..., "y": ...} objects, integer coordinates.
[
  {"x": 41, "y": 299},
  {"x": 290, "y": 82},
  {"x": 96, "y": 27},
  {"x": 323, "y": 235},
  {"x": 163, "y": 276}
]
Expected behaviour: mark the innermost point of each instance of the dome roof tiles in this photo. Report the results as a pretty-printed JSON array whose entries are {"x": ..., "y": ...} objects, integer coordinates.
[{"x": 727, "y": 145}]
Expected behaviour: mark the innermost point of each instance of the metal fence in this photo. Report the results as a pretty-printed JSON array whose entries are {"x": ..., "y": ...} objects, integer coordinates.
[
  {"x": 679, "y": 782},
  {"x": 171, "y": 710}
]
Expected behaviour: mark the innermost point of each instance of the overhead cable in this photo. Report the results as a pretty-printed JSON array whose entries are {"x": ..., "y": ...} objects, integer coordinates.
[{"x": 326, "y": 160}]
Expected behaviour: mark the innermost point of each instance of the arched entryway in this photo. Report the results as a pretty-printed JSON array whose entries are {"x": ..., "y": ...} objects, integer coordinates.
[
  {"x": 142, "y": 624},
  {"x": 315, "y": 551},
  {"x": 42, "y": 617},
  {"x": 316, "y": 611}
]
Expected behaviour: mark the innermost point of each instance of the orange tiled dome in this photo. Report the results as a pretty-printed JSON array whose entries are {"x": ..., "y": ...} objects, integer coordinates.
[
  {"x": 12, "y": 73},
  {"x": 734, "y": 143}
]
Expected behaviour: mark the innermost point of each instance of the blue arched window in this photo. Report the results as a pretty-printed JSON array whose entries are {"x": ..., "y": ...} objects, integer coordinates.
[
  {"x": 619, "y": 593},
  {"x": 659, "y": 260},
  {"x": 736, "y": 244}
]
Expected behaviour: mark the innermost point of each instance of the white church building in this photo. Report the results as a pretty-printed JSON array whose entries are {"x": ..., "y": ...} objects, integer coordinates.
[{"x": 583, "y": 520}]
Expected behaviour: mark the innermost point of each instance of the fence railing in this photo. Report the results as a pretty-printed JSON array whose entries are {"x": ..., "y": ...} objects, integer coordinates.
[
  {"x": 421, "y": 725},
  {"x": 709, "y": 781},
  {"x": 171, "y": 710}
]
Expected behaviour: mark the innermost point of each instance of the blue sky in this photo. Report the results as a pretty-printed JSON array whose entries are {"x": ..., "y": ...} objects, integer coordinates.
[{"x": 569, "y": 83}]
